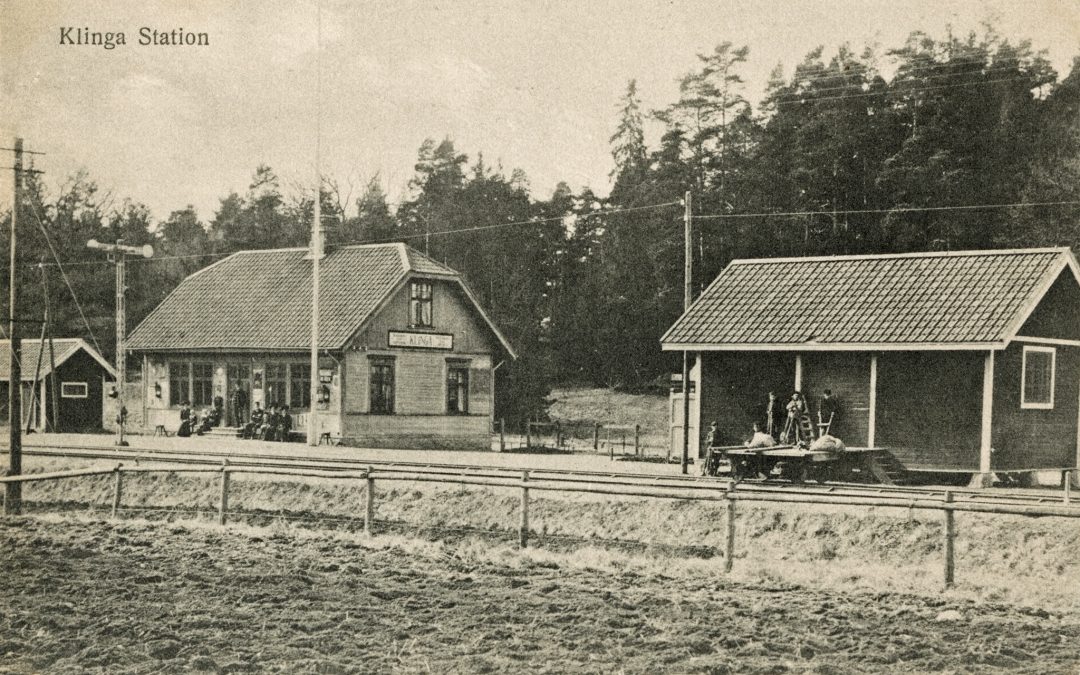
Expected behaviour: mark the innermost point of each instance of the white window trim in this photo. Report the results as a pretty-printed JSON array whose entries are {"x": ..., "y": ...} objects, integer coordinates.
[
  {"x": 85, "y": 389},
  {"x": 1037, "y": 405}
]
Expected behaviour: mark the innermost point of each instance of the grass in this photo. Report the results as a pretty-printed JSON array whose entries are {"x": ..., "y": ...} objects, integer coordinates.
[{"x": 1006, "y": 559}]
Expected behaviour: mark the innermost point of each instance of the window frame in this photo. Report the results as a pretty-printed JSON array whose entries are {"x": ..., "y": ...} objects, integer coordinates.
[
  {"x": 418, "y": 300},
  {"x": 85, "y": 389},
  {"x": 389, "y": 390},
  {"x": 207, "y": 381},
  {"x": 305, "y": 391},
  {"x": 1037, "y": 405},
  {"x": 460, "y": 386},
  {"x": 276, "y": 397},
  {"x": 184, "y": 378}
]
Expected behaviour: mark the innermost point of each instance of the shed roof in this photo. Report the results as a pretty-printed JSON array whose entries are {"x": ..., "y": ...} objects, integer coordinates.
[
  {"x": 262, "y": 299},
  {"x": 953, "y": 300},
  {"x": 62, "y": 350}
]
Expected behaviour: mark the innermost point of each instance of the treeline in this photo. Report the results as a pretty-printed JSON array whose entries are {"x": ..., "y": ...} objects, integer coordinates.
[{"x": 913, "y": 148}]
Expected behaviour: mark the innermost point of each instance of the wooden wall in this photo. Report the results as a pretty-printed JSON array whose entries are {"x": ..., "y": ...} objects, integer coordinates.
[
  {"x": 929, "y": 408},
  {"x": 1057, "y": 316},
  {"x": 848, "y": 376},
  {"x": 1031, "y": 438},
  {"x": 735, "y": 388}
]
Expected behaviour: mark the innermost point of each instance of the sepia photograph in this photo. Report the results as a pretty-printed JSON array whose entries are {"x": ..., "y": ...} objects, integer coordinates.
[{"x": 546, "y": 336}]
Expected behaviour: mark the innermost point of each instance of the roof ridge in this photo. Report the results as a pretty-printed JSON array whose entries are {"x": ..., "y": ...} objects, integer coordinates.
[{"x": 894, "y": 256}]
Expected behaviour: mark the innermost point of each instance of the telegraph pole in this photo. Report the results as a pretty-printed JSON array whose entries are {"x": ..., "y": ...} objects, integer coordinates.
[
  {"x": 13, "y": 492},
  {"x": 118, "y": 253},
  {"x": 688, "y": 267},
  {"x": 316, "y": 242}
]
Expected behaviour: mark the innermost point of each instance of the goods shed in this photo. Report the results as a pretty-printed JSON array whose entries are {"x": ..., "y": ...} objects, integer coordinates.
[
  {"x": 965, "y": 362},
  {"x": 407, "y": 355},
  {"x": 66, "y": 371}
]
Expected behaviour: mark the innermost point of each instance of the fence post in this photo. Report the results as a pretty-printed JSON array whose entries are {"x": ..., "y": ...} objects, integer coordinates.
[
  {"x": 223, "y": 504},
  {"x": 610, "y": 447},
  {"x": 729, "y": 553},
  {"x": 117, "y": 490},
  {"x": 558, "y": 435},
  {"x": 523, "y": 528},
  {"x": 950, "y": 534},
  {"x": 502, "y": 434},
  {"x": 528, "y": 434},
  {"x": 1068, "y": 486},
  {"x": 369, "y": 504},
  {"x": 596, "y": 437},
  {"x": 637, "y": 439}
]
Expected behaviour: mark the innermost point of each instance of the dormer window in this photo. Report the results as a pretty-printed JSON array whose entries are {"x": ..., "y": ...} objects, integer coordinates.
[{"x": 420, "y": 304}]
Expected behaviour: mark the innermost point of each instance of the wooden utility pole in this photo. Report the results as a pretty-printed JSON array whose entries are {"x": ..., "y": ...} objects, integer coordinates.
[
  {"x": 13, "y": 492},
  {"x": 688, "y": 267},
  {"x": 316, "y": 244}
]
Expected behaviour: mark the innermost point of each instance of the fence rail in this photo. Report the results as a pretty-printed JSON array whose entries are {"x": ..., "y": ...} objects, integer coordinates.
[{"x": 527, "y": 481}]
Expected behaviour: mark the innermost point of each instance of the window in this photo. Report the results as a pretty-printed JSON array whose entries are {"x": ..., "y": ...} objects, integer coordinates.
[
  {"x": 1038, "y": 378},
  {"x": 73, "y": 390},
  {"x": 457, "y": 389},
  {"x": 420, "y": 304},
  {"x": 382, "y": 387},
  {"x": 299, "y": 386},
  {"x": 276, "y": 378},
  {"x": 179, "y": 383},
  {"x": 202, "y": 384}
]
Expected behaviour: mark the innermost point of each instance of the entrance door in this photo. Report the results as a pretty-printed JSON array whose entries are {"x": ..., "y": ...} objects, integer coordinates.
[{"x": 238, "y": 393}]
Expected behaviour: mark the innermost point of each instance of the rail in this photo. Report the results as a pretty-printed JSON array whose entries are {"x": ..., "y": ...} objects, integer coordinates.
[{"x": 729, "y": 493}]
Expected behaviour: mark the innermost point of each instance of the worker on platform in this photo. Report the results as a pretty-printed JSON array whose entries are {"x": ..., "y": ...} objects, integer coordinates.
[
  {"x": 796, "y": 409},
  {"x": 774, "y": 416},
  {"x": 284, "y": 424},
  {"x": 827, "y": 412}
]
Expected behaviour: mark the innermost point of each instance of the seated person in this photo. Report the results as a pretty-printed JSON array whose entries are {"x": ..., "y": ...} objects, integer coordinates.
[
  {"x": 207, "y": 422},
  {"x": 269, "y": 425},
  {"x": 284, "y": 424},
  {"x": 760, "y": 439},
  {"x": 187, "y": 420},
  {"x": 252, "y": 428}
]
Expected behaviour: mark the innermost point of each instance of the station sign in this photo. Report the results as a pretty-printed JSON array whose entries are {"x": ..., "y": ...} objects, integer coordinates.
[{"x": 397, "y": 338}]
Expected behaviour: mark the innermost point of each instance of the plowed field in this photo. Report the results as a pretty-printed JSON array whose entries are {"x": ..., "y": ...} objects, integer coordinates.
[{"x": 82, "y": 595}]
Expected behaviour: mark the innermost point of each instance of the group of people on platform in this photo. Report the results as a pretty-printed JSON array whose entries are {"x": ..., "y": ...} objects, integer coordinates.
[
  {"x": 192, "y": 424},
  {"x": 272, "y": 424},
  {"x": 787, "y": 422}
]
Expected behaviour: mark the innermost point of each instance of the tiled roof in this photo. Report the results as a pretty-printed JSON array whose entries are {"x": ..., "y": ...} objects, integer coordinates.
[
  {"x": 949, "y": 298},
  {"x": 262, "y": 299},
  {"x": 62, "y": 348}
]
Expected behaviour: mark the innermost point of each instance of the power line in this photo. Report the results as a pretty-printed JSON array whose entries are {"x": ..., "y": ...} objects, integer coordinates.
[
  {"x": 810, "y": 98},
  {"x": 899, "y": 209},
  {"x": 895, "y": 83},
  {"x": 534, "y": 221},
  {"x": 48, "y": 240}
]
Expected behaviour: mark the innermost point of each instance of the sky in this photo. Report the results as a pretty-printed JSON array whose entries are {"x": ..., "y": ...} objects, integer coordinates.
[{"x": 533, "y": 84}]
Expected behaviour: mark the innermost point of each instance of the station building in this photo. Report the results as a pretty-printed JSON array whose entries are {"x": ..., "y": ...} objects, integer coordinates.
[
  {"x": 407, "y": 355},
  {"x": 965, "y": 362},
  {"x": 66, "y": 371}
]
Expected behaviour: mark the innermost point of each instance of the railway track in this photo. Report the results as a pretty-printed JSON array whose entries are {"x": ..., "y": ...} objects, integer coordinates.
[{"x": 567, "y": 477}]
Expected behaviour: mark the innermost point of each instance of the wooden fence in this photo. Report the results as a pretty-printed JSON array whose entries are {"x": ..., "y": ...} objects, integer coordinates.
[{"x": 728, "y": 494}]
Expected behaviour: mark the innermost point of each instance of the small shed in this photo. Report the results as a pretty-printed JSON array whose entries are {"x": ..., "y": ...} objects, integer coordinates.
[
  {"x": 964, "y": 362},
  {"x": 407, "y": 355},
  {"x": 80, "y": 378}
]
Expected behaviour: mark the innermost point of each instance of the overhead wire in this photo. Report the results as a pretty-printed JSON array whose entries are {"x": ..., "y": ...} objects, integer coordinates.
[
  {"x": 63, "y": 273},
  {"x": 898, "y": 209}
]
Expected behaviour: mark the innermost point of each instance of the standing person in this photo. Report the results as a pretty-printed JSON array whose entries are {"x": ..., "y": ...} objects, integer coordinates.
[
  {"x": 827, "y": 412},
  {"x": 774, "y": 416},
  {"x": 239, "y": 406},
  {"x": 796, "y": 409}
]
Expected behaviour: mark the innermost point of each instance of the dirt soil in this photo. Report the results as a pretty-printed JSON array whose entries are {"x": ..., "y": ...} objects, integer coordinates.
[{"x": 90, "y": 595}]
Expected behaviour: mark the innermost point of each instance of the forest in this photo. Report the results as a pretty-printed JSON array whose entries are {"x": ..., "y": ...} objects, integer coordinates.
[{"x": 964, "y": 142}]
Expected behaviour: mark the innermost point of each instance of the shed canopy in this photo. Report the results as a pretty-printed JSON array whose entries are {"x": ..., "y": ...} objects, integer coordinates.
[
  {"x": 261, "y": 300},
  {"x": 62, "y": 350},
  {"x": 940, "y": 300}
]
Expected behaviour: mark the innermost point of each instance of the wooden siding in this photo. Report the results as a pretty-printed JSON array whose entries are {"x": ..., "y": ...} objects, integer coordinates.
[
  {"x": 451, "y": 313},
  {"x": 929, "y": 408},
  {"x": 419, "y": 382},
  {"x": 1032, "y": 438},
  {"x": 1058, "y": 314},
  {"x": 848, "y": 376},
  {"x": 736, "y": 387},
  {"x": 442, "y": 432}
]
